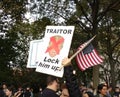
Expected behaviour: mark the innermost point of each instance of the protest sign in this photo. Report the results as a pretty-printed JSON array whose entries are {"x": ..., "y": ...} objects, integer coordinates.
[
  {"x": 56, "y": 46},
  {"x": 34, "y": 53}
]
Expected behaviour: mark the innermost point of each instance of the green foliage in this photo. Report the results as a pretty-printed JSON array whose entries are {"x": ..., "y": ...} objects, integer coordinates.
[
  {"x": 7, "y": 48},
  {"x": 38, "y": 27},
  {"x": 15, "y": 8},
  {"x": 11, "y": 11},
  {"x": 16, "y": 46}
]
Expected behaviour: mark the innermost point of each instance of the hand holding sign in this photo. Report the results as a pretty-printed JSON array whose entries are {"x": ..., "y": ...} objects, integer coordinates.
[{"x": 65, "y": 62}]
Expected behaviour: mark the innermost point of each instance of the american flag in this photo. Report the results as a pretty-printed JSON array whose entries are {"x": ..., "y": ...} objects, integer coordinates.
[{"x": 88, "y": 57}]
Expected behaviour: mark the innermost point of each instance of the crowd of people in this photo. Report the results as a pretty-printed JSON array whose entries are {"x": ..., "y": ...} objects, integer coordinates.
[
  {"x": 54, "y": 88},
  {"x": 11, "y": 91},
  {"x": 72, "y": 89}
]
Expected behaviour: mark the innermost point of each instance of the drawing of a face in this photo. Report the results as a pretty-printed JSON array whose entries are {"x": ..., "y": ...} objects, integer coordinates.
[{"x": 55, "y": 45}]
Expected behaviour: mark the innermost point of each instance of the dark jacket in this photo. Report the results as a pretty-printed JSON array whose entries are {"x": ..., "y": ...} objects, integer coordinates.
[
  {"x": 71, "y": 82},
  {"x": 98, "y": 95},
  {"x": 2, "y": 94},
  {"x": 48, "y": 93}
]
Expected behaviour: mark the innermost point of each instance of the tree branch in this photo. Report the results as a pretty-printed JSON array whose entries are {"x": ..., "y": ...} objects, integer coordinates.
[
  {"x": 83, "y": 11},
  {"x": 84, "y": 27},
  {"x": 90, "y": 3},
  {"x": 110, "y": 7},
  {"x": 116, "y": 42}
]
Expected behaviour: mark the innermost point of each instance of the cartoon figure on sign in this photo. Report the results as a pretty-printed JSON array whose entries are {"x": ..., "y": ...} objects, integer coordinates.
[{"x": 55, "y": 45}]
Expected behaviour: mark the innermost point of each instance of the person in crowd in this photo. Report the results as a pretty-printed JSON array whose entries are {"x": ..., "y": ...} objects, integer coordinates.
[
  {"x": 40, "y": 91},
  {"x": 52, "y": 87},
  {"x": 71, "y": 80},
  {"x": 117, "y": 92},
  {"x": 64, "y": 90},
  {"x": 19, "y": 92},
  {"x": 27, "y": 92},
  {"x": 88, "y": 94},
  {"x": 9, "y": 92},
  {"x": 82, "y": 88},
  {"x": 4, "y": 86},
  {"x": 110, "y": 91},
  {"x": 2, "y": 94},
  {"x": 101, "y": 90},
  {"x": 31, "y": 91}
]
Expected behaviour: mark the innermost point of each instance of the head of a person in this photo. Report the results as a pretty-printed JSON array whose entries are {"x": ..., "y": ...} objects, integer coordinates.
[
  {"x": 117, "y": 89},
  {"x": 53, "y": 82},
  {"x": 88, "y": 94},
  {"x": 102, "y": 89},
  {"x": 8, "y": 91},
  {"x": 63, "y": 86},
  {"x": 64, "y": 90},
  {"x": 4, "y": 85}
]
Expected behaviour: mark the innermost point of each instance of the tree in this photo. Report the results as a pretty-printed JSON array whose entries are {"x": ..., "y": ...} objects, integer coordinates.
[
  {"x": 91, "y": 13},
  {"x": 57, "y": 11},
  {"x": 10, "y": 13},
  {"x": 25, "y": 33},
  {"x": 111, "y": 44},
  {"x": 18, "y": 33}
]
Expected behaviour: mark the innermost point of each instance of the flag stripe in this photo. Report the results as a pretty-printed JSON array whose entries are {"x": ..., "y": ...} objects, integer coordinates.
[
  {"x": 84, "y": 60},
  {"x": 79, "y": 62},
  {"x": 91, "y": 59},
  {"x": 94, "y": 58},
  {"x": 98, "y": 57},
  {"x": 88, "y": 59}
]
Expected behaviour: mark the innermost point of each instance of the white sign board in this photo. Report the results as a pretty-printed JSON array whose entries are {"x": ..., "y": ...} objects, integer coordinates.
[
  {"x": 34, "y": 53},
  {"x": 56, "y": 46}
]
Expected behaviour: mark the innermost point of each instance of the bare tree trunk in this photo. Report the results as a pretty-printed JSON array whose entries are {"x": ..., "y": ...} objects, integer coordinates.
[
  {"x": 95, "y": 8},
  {"x": 95, "y": 76}
]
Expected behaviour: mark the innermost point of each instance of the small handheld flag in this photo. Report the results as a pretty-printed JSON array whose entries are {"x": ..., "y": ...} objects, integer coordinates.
[
  {"x": 75, "y": 54},
  {"x": 88, "y": 58}
]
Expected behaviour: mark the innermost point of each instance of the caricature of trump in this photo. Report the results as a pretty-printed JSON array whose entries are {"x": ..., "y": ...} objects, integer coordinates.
[{"x": 55, "y": 45}]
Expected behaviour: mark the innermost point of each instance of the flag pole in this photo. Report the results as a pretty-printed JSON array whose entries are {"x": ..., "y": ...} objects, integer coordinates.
[{"x": 84, "y": 45}]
